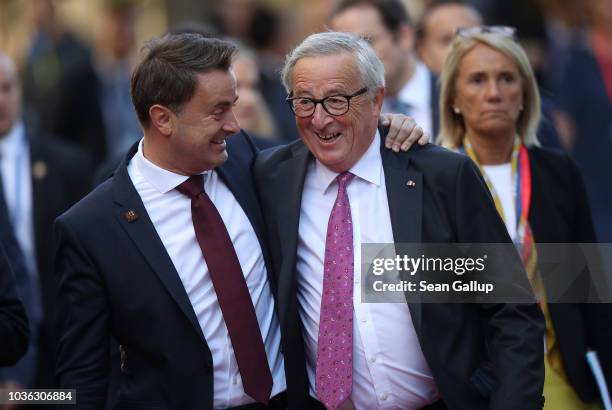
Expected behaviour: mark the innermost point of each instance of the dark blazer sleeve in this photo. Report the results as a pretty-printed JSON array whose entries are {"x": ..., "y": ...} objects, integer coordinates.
[
  {"x": 14, "y": 330},
  {"x": 515, "y": 332},
  {"x": 82, "y": 321}
]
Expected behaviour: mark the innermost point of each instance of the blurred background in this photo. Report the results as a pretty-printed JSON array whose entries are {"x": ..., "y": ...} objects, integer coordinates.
[{"x": 74, "y": 60}]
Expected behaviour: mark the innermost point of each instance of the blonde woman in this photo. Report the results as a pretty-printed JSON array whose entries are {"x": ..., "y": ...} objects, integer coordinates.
[{"x": 490, "y": 110}]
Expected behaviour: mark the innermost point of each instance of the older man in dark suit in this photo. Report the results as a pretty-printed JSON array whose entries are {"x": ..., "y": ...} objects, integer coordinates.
[{"x": 402, "y": 355}]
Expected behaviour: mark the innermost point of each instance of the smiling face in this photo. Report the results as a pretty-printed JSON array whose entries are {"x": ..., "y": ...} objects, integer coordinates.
[
  {"x": 336, "y": 141},
  {"x": 199, "y": 129},
  {"x": 488, "y": 92}
]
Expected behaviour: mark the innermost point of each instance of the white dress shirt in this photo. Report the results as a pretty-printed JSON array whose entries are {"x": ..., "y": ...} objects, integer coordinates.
[
  {"x": 501, "y": 178},
  {"x": 17, "y": 181},
  {"x": 170, "y": 212},
  {"x": 417, "y": 93},
  {"x": 389, "y": 370}
]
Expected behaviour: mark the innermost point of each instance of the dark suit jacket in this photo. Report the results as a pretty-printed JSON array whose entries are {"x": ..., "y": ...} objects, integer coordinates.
[
  {"x": 482, "y": 356},
  {"x": 116, "y": 279},
  {"x": 560, "y": 213},
  {"x": 61, "y": 175},
  {"x": 14, "y": 330}
]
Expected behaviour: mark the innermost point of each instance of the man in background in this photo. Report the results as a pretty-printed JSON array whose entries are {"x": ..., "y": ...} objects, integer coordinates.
[
  {"x": 411, "y": 87},
  {"x": 99, "y": 90},
  {"x": 40, "y": 178},
  {"x": 437, "y": 28}
]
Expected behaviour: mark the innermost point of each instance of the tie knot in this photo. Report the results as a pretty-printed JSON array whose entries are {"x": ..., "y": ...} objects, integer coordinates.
[
  {"x": 192, "y": 187},
  {"x": 344, "y": 179}
]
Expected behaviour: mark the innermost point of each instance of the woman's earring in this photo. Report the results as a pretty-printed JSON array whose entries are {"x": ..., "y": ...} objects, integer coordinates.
[{"x": 456, "y": 110}]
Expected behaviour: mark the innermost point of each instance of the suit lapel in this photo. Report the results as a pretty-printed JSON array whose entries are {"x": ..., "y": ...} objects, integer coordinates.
[
  {"x": 404, "y": 193},
  {"x": 289, "y": 178},
  {"x": 405, "y": 197},
  {"x": 241, "y": 185},
  {"x": 145, "y": 237}
]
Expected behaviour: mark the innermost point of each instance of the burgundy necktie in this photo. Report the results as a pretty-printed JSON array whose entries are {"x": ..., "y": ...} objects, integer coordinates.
[
  {"x": 334, "y": 374},
  {"x": 231, "y": 289}
]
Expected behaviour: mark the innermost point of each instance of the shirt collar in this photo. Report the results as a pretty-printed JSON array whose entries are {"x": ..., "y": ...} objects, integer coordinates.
[
  {"x": 368, "y": 167},
  {"x": 12, "y": 143},
  {"x": 416, "y": 91},
  {"x": 161, "y": 179}
]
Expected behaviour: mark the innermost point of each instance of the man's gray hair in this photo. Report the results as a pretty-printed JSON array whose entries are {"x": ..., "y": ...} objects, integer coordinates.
[{"x": 329, "y": 43}]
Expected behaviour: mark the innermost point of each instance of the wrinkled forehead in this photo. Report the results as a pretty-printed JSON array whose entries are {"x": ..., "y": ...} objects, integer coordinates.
[{"x": 342, "y": 64}]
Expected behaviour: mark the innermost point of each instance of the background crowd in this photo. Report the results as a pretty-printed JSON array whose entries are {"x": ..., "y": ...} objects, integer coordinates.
[{"x": 75, "y": 58}]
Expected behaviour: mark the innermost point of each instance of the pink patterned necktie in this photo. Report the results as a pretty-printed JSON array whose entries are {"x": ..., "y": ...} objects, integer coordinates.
[{"x": 334, "y": 377}]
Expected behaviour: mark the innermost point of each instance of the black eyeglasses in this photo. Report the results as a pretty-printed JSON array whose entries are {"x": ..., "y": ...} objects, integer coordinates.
[
  {"x": 334, "y": 104},
  {"x": 468, "y": 32}
]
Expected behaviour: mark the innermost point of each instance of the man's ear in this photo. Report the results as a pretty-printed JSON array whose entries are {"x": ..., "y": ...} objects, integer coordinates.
[
  {"x": 379, "y": 97},
  {"x": 162, "y": 118}
]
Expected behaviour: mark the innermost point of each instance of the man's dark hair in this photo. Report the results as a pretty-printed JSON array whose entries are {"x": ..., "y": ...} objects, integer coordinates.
[
  {"x": 167, "y": 73},
  {"x": 392, "y": 12}
]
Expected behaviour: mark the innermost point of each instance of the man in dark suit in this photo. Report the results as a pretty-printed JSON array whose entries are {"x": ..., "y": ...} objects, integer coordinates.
[
  {"x": 190, "y": 338},
  {"x": 412, "y": 89},
  {"x": 352, "y": 354},
  {"x": 61, "y": 175},
  {"x": 14, "y": 278},
  {"x": 41, "y": 177}
]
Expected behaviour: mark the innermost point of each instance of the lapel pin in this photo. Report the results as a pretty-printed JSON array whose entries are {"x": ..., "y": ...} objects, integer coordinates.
[
  {"x": 130, "y": 216},
  {"x": 39, "y": 170},
  {"x": 411, "y": 183}
]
